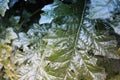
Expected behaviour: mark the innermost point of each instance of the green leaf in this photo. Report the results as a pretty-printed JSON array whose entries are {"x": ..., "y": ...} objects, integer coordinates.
[
  {"x": 3, "y": 6},
  {"x": 29, "y": 54},
  {"x": 103, "y": 9},
  {"x": 10, "y": 35},
  {"x": 53, "y": 11},
  {"x": 79, "y": 42},
  {"x": 60, "y": 56},
  {"x": 63, "y": 54},
  {"x": 68, "y": 45}
]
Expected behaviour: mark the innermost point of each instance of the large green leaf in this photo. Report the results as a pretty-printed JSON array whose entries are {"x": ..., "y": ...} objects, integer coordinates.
[
  {"x": 73, "y": 45},
  {"x": 68, "y": 45}
]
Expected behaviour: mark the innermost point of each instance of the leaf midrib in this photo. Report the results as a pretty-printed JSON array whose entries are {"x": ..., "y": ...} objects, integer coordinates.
[{"x": 79, "y": 27}]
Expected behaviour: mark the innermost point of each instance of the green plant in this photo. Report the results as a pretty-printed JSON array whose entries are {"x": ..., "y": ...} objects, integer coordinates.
[{"x": 76, "y": 41}]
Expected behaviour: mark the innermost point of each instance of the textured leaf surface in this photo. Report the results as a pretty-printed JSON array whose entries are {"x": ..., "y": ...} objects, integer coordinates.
[
  {"x": 29, "y": 55},
  {"x": 3, "y": 6},
  {"x": 80, "y": 41},
  {"x": 54, "y": 10},
  {"x": 5, "y": 55},
  {"x": 103, "y": 9},
  {"x": 68, "y": 50}
]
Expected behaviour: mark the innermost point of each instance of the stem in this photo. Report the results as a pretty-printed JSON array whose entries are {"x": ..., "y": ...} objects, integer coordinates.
[{"x": 79, "y": 27}]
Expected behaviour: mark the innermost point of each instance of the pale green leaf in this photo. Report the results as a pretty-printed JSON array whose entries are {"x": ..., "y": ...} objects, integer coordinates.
[
  {"x": 53, "y": 11},
  {"x": 3, "y": 6},
  {"x": 102, "y": 9}
]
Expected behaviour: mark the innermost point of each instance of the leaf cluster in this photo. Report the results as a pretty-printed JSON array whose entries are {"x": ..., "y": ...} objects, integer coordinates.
[{"x": 70, "y": 40}]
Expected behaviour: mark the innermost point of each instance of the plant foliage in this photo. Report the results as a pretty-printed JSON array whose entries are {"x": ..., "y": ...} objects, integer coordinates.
[
  {"x": 73, "y": 40},
  {"x": 3, "y": 6}
]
